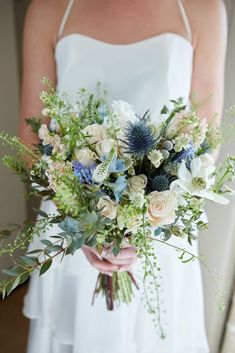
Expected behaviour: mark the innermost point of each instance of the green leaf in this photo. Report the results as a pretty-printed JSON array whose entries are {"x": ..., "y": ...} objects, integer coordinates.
[
  {"x": 5, "y": 232},
  {"x": 165, "y": 110},
  {"x": 24, "y": 277},
  {"x": 45, "y": 267},
  {"x": 157, "y": 231},
  {"x": 46, "y": 242},
  {"x": 29, "y": 260},
  {"x": 54, "y": 248},
  {"x": 16, "y": 283},
  {"x": 36, "y": 251},
  {"x": 10, "y": 272},
  {"x": 41, "y": 213},
  {"x": 116, "y": 250}
]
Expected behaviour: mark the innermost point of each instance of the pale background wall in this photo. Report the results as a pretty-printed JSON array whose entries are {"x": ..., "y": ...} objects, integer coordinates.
[
  {"x": 218, "y": 243},
  {"x": 12, "y": 206}
]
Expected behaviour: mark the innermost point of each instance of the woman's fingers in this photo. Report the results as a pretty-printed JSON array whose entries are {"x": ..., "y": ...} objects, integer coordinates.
[
  {"x": 122, "y": 262},
  {"x": 107, "y": 262},
  {"x": 101, "y": 265}
]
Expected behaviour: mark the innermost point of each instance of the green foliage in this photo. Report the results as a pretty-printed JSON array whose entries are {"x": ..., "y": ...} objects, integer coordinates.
[
  {"x": 225, "y": 173},
  {"x": 34, "y": 123}
]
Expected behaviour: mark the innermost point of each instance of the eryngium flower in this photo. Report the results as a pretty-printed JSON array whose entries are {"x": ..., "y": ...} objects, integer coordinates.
[
  {"x": 139, "y": 138},
  {"x": 48, "y": 150},
  {"x": 160, "y": 183},
  {"x": 185, "y": 155},
  {"x": 82, "y": 172}
]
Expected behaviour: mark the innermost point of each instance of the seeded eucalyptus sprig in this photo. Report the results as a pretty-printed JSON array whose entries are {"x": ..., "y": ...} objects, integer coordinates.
[
  {"x": 225, "y": 173},
  {"x": 24, "y": 266}
]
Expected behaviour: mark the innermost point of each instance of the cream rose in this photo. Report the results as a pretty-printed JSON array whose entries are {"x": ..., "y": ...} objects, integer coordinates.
[
  {"x": 85, "y": 156},
  {"x": 103, "y": 148},
  {"x": 161, "y": 208},
  {"x": 137, "y": 183},
  {"x": 95, "y": 133},
  {"x": 108, "y": 206}
]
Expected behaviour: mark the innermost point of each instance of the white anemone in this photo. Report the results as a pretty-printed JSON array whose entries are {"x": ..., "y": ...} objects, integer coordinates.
[{"x": 199, "y": 179}]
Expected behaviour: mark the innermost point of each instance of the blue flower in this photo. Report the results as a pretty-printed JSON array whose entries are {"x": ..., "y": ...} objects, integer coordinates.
[
  {"x": 160, "y": 183},
  {"x": 117, "y": 166},
  {"x": 48, "y": 150},
  {"x": 82, "y": 172},
  {"x": 185, "y": 155},
  {"x": 139, "y": 138},
  {"x": 118, "y": 187}
]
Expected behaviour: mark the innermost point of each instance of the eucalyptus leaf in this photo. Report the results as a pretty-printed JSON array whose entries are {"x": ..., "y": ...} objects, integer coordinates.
[{"x": 45, "y": 267}]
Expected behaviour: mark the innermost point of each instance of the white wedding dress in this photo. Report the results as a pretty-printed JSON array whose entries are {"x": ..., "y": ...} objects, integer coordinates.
[{"x": 146, "y": 74}]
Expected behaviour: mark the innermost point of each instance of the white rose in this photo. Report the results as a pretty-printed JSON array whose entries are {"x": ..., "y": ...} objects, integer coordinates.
[
  {"x": 103, "y": 148},
  {"x": 108, "y": 206},
  {"x": 85, "y": 156},
  {"x": 161, "y": 208},
  {"x": 95, "y": 133},
  {"x": 123, "y": 111},
  {"x": 137, "y": 183},
  {"x": 156, "y": 157}
]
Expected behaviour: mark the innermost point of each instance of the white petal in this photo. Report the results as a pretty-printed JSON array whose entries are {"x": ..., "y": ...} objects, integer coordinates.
[
  {"x": 210, "y": 195},
  {"x": 184, "y": 173},
  {"x": 196, "y": 167}
]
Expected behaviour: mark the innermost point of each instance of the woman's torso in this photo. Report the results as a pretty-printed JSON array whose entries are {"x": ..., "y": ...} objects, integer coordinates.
[{"x": 147, "y": 73}]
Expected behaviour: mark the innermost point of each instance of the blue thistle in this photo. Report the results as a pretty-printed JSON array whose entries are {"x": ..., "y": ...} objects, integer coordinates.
[
  {"x": 139, "y": 138},
  {"x": 160, "y": 183},
  {"x": 185, "y": 155},
  {"x": 47, "y": 150},
  {"x": 82, "y": 172}
]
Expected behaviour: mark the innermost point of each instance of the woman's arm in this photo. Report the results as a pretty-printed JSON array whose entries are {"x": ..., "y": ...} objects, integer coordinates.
[
  {"x": 40, "y": 28},
  {"x": 209, "y": 22}
]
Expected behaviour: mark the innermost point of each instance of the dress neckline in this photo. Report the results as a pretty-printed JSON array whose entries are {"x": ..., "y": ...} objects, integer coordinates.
[{"x": 124, "y": 45}]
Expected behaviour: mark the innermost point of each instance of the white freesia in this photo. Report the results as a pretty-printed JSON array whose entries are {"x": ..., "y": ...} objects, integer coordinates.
[
  {"x": 108, "y": 207},
  {"x": 199, "y": 180},
  {"x": 137, "y": 198},
  {"x": 182, "y": 141},
  {"x": 85, "y": 156},
  {"x": 137, "y": 183},
  {"x": 133, "y": 224},
  {"x": 161, "y": 208},
  {"x": 54, "y": 126},
  {"x": 44, "y": 135},
  {"x": 123, "y": 111},
  {"x": 156, "y": 157},
  {"x": 104, "y": 147},
  {"x": 94, "y": 133}
]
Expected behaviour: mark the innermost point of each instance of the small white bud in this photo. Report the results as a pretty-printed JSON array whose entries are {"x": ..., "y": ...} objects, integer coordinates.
[{"x": 45, "y": 112}]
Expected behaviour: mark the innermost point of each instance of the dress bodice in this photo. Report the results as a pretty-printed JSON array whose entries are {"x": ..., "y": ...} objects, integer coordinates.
[{"x": 146, "y": 74}]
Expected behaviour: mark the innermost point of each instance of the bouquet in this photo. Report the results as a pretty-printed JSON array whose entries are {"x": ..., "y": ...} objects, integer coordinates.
[{"x": 116, "y": 178}]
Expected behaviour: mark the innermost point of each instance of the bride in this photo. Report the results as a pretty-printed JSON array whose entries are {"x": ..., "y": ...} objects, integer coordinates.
[{"x": 144, "y": 52}]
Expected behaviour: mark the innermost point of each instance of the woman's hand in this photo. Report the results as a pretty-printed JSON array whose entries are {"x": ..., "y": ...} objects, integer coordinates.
[{"x": 107, "y": 263}]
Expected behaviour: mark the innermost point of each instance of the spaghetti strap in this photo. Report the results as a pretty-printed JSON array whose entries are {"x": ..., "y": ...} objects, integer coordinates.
[
  {"x": 186, "y": 20},
  {"x": 65, "y": 18}
]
